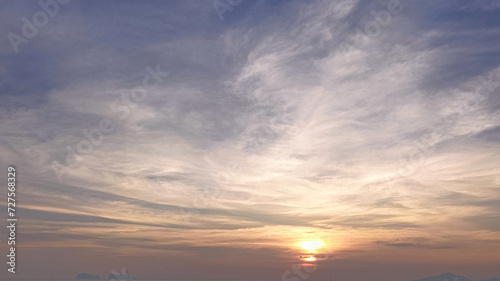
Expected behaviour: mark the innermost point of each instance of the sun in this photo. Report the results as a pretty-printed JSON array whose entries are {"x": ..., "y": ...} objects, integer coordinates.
[
  {"x": 311, "y": 246},
  {"x": 310, "y": 259}
]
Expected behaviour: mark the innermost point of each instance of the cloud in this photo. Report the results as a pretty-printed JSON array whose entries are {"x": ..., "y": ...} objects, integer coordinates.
[
  {"x": 419, "y": 243},
  {"x": 266, "y": 131}
]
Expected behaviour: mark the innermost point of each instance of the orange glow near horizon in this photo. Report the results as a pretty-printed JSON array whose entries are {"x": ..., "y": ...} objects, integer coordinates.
[{"x": 310, "y": 259}]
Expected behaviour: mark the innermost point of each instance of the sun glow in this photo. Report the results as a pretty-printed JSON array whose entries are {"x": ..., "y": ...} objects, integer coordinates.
[
  {"x": 311, "y": 246},
  {"x": 311, "y": 259}
]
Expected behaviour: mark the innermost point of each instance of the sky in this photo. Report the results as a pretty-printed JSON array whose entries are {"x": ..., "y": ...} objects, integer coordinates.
[{"x": 208, "y": 139}]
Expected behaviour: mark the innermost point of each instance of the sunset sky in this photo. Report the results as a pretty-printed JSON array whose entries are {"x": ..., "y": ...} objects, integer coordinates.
[{"x": 209, "y": 139}]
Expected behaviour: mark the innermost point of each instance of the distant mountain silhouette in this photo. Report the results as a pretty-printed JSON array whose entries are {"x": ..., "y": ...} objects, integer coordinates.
[
  {"x": 450, "y": 277},
  {"x": 87, "y": 276}
]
